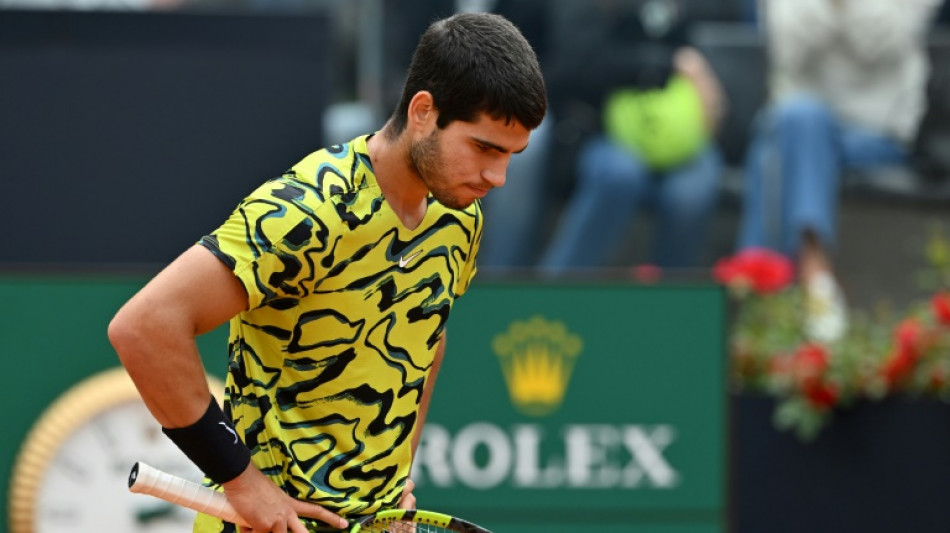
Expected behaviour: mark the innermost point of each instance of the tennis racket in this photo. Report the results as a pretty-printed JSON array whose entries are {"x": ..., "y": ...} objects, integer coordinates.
[{"x": 145, "y": 479}]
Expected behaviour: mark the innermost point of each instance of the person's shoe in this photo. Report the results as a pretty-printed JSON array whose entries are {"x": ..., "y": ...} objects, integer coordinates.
[{"x": 826, "y": 313}]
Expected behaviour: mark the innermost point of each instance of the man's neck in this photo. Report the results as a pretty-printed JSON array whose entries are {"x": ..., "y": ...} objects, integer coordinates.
[{"x": 401, "y": 186}]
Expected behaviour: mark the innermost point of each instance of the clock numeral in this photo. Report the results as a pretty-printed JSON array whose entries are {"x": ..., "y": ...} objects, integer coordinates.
[
  {"x": 60, "y": 515},
  {"x": 72, "y": 469},
  {"x": 104, "y": 435}
]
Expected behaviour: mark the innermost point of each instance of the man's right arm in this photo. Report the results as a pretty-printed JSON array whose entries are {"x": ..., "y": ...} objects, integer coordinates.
[{"x": 154, "y": 335}]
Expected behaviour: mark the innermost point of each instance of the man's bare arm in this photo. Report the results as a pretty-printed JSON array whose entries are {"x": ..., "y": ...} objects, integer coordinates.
[{"x": 154, "y": 335}]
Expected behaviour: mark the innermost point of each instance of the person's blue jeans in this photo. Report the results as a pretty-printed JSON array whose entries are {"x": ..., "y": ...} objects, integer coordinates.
[
  {"x": 613, "y": 185},
  {"x": 513, "y": 213},
  {"x": 793, "y": 172}
]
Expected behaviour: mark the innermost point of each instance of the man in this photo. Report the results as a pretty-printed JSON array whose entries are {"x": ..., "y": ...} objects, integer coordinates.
[{"x": 337, "y": 279}]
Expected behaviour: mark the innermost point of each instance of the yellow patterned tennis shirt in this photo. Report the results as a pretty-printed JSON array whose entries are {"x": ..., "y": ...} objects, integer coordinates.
[{"x": 346, "y": 309}]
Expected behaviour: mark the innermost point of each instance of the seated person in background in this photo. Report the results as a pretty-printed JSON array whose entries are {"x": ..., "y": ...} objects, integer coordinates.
[
  {"x": 514, "y": 214},
  {"x": 847, "y": 91},
  {"x": 659, "y": 104}
]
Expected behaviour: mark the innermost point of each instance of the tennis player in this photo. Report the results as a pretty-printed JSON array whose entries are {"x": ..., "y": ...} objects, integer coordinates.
[{"x": 337, "y": 279}]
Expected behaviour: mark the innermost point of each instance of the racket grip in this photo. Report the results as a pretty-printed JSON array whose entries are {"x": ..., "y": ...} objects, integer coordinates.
[{"x": 145, "y": 479}]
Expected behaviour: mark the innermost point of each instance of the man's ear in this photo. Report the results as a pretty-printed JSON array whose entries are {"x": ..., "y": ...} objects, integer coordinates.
[{"x": 422, "y": 113}]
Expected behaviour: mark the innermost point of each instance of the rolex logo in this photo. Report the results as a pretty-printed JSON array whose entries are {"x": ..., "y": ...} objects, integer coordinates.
[{"x": 537, "y": 357}]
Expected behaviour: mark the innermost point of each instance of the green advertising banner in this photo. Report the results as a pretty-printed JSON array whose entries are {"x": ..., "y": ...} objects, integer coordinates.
[
  {"x": 591, "y": 407},
  {"x": 564, "y": 407}
]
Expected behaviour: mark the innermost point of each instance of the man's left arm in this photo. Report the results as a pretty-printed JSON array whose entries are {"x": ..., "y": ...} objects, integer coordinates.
[
  {"x": 408, "y": 500},
  {"x": 427, "y": 393}
]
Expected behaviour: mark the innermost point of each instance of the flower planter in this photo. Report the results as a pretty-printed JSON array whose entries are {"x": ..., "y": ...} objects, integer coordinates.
[{"x": 877, "y": 467}]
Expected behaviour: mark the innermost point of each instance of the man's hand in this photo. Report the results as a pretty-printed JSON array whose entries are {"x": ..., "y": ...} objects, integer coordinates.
[
  {"x": 408, "y": 499},
  {"x": 268, "y": 509}
]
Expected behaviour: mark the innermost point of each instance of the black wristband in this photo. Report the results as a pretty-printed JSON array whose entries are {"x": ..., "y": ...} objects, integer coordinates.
[{"x": 213, "y": 445}]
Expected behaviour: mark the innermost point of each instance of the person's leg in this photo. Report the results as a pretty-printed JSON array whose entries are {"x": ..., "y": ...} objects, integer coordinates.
[
  {"x": 761, "y": 198},
  {"x": 611, "y": 183},
  {"x": 815, "y": 148},
  {"x": 810, "y": 162},
  {"x": 865, "y": 150},
  {"x": 686, "y": 202},
  {"x": 810, "y": 168},
  {"x": 512, "y": 232},
  {"x": 826, "y": 318}
]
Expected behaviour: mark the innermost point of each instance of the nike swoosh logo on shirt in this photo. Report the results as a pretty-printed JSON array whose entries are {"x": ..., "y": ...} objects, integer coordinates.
[{"x": 403, "y": 261}]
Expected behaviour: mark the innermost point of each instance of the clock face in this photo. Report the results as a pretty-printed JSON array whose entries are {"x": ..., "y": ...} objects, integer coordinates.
[
  {"x": 85, "y": 488},
  {"x": 72, "y": 472}
]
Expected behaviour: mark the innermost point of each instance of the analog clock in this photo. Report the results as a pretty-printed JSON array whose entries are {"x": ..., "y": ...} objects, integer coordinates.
[{"x": 71, "y": 472}]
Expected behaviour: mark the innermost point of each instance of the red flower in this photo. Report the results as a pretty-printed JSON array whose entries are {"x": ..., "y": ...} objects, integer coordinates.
[
  {"x": 822, "y": 395},
  {"x": 909, "y": 337},
  {"x": 910, "y": 341},
  {"x": 809, "y": 363},
  {"x": 897, "y": 366},
  {"x": 764, "y": 270},
  {"x": 941, "y": 307},
  {"x": 805, "y": 365}
]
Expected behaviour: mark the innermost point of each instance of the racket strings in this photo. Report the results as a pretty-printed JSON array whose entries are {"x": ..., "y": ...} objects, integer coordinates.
[{"x": 403, "y": 527}]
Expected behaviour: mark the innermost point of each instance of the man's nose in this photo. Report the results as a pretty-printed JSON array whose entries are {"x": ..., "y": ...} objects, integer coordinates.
[{"x": 496, "y": 174}]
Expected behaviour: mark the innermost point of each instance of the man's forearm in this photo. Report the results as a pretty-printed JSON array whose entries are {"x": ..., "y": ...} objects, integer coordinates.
[{"x": 427, "y": 394}]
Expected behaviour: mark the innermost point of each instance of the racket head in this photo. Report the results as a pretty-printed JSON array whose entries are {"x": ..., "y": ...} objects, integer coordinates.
[{"x": 414, "y": 521}]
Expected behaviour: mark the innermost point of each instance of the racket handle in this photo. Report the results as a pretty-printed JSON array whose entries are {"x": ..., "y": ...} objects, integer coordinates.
[{"x": 145, "y": 479}]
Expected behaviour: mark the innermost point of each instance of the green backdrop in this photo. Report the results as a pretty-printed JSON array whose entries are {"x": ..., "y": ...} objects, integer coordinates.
[
  {"x": 558, "y": 406},
  {"x": 638, "y": 443}
]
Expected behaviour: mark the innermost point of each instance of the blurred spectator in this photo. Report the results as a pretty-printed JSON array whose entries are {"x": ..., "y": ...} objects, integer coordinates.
[
  {"x": 113, "y": 5},
  {"x": 287, "y": 6},
  {"x": 514, "y": 220},
  {"x": 656, "y": 105},
  {"x": 847, "y": 84},
  {"x": 943, "y": 16},
  {"x": 514, "y": 233},
  {"x": 399, "y": 35}
]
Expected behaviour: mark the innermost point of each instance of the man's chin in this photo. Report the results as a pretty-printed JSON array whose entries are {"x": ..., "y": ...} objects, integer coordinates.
[{"x": 456, "y": 203}]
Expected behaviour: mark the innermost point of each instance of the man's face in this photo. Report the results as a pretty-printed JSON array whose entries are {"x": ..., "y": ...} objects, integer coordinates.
[{"x": 462, "y": 162}]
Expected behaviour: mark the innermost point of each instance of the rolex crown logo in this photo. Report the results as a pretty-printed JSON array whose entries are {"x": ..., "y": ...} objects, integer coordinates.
[{"x": 537, "y": 357}]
